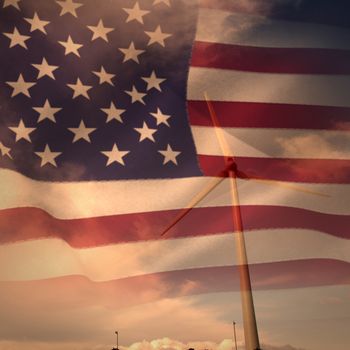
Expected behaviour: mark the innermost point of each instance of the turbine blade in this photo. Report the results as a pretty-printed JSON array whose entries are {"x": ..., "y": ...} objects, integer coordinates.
[
  {"x": 252, "y": 177},
  {"x": 226, "y": 150},
  {"x": 195, "y": 200},
  {"x": 218, "y": 130}
]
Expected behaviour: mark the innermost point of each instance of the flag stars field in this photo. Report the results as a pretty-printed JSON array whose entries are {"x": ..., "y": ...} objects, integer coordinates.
[
  {"x": 135, "y": 13},
  {"x": 70, "y": 46},
  {"x": 166, "y": 2},
  {"x": 153, "y": 82},
  {"x": 100, "y": 31},
  {"x": 81, "y": 132},
  {"x": 51, "y": 112},
  {"x": 131, "y": 53},
  {"x": 136, "y": 96},
  {"x": 20, "y": 86},
  {"x": 161, "y": 118},
  {"x": 69, "y": 6},
  {"x": 113, "y": 113},
  {"x": 14, "y": 3},
  {"x": 48, "y": 156},
  {"x": 45, "y": 69},
  {"x": 157, "y": 37},
  {"x": 115, "y": 155},
  {"x": 80, "y": 89},
  {"x": 16, "y": 38},
  {"x": 47, "y": 112},
  {"x": 22, "y": 132},
  {"x": 37, "y": 24},
  {"x": 5, "y": 151},
  {"x": 146, "y": 133},
  {"x": 169, "y": 155},
  {"x": 104, "y": 77}
]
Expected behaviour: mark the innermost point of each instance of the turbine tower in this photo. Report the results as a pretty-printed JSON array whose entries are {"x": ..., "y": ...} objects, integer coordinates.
[{"x": 231, "y": 172}]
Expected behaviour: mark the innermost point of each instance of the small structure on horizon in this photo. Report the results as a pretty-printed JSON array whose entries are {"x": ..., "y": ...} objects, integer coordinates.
[{"x": 117, "y": 348}]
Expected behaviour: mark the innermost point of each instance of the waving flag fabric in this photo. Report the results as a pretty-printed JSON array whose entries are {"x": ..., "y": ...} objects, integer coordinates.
[{"x": 105, "y": 136}]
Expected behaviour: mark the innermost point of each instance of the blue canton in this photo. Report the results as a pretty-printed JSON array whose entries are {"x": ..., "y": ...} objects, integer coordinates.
[{"x": 96, "y": 90}]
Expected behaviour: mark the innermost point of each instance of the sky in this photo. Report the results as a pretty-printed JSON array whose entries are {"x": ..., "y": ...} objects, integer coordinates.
[
  {"x": 305, "y": 318},
  {"x": 314, "y": 318}
]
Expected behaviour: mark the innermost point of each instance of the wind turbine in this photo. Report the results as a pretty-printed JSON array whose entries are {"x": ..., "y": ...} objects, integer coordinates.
[{"x": 232, "y": 173}]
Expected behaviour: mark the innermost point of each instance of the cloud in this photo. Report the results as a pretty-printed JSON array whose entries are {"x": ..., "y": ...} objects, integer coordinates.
[
  {"x": 156, "y": 344},
  {"x": 330, "y": 145},
  {"x": 170, "y": 344},
  {"x": 283, "y": 347},
  {"x": 200, "y": 322}
]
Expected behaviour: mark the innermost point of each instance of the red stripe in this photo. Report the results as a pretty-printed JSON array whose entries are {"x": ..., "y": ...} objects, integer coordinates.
[
  {"x": 293, "y": 170},
  {"x": 79, "y": 292},
  {"x": 269, "y": 115},
  {"x": 270, "y": 60},
  {"x": 30, "y": 223}
]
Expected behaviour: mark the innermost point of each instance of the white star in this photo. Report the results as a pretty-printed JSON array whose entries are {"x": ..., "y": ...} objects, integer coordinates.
[
  {"x": 135, "y": 13},
  {"x": 68, "y": 6},
  {"x": 80, "y": 89},
  {"x": 47, "y": 112},
  {"x": 45, "y": 69},
  {"x": 166, "y": 2},
  {"x": 157, "y": 37},
  {"x": 48, "y": 157},
  {"x": 13, "y": 3},
  {"x": 104, "y": 76},
  {"x": 145, "y": 132},
  {"x": 161, "y": 118},
  {"x": 113, "y": 113},
  {"x": 17, "y": 39},
  {"x": 153, "y": 82},
  {"x": 131, "y": 53},
  {"x": 100, "y": 31},
  {"x": 70, "y": 46},
  {"x": 115, "y": 155},
  {"x": 82, "y": 132},
  {"x": 136, "y": 95},
  {"x": 169, "y": 155},
  {"x": 5, "y": 151},
  {"x": 20, "y": 86},
  {"x": 21, "y": 131},
  {"x": 37, "y": 24}
]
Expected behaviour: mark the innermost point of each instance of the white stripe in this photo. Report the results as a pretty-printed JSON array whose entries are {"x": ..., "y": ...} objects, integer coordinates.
[
  {"x": 229, "y": 85},
  {"x": 271, "y": 143},
  {"x": 241, "y": 29},
  {"x": 51, "y": 258},
  {"x": 89, "y": 199}
]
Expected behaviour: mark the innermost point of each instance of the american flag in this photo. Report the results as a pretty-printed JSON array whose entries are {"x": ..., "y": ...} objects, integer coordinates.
[{"x": 105, "y": 136}]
